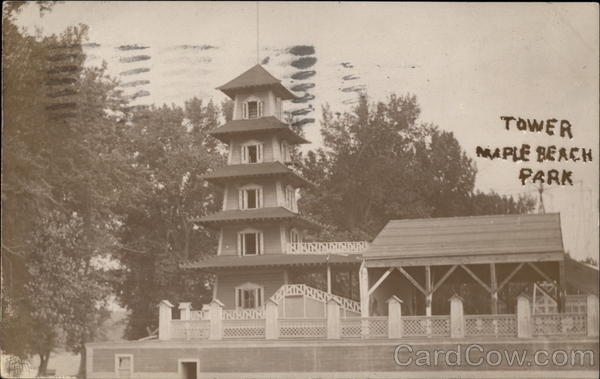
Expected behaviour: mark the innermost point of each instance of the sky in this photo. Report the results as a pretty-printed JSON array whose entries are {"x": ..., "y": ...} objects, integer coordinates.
[{"x": 468, "y": 64}]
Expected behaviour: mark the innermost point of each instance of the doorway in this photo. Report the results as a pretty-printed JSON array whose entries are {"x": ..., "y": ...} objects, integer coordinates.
[{"x": 188, "y": 369}]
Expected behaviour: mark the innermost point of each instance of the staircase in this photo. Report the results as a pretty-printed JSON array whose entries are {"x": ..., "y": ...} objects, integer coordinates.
[{"x": 315, "y": 294}]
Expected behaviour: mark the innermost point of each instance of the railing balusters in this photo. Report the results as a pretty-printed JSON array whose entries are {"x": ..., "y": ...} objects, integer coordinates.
[{"x": 327, "y": 247}]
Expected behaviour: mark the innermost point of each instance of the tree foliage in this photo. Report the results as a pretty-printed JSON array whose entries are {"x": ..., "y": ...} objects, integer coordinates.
[
  {"x": 379, "y": 163},
  {"x": 170, "y": 151},
  {"x": 61, "y": 170}
]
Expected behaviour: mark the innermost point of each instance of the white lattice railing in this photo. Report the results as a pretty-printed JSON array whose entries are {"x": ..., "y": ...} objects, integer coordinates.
[
  {"x": 375, "y": 327},
  {"x": 327, "y": 247},
  {"x": 426, "y": 326},
  {"x": 315, "y": 294},
  {"x": 351, "y": 327},
  {"x": 244, "y": 328},
  {"x": 303, "y": 328},
  {"x": 491, "y": 325},
  {"x": 559, "y": 324},
  {"x": 244, "y": 314},
  {"x": 190, "y": 329}
]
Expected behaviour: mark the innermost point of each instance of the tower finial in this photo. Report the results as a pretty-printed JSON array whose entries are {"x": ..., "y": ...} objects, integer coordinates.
[
  {"x": 257, "y": 50},
  {"x": 541, "y": 208}
]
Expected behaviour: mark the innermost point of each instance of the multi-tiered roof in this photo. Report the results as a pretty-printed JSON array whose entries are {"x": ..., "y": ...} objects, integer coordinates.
[{"x": 261, "y": 124}]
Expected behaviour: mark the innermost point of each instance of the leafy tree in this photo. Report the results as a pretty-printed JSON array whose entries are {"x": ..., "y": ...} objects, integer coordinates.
[
  {"x": 61, "y": 171},
  {"x": 171, "y": 152},
  {"x": 379, "y": 163}
]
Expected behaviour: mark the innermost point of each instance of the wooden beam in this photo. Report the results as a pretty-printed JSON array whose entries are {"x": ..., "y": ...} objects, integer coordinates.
[
  {"x": 429, "y": 294},
  {"x": 412, "y": 280},
  {"x": 509, "y": 277},
  {"x": 381, "y": 279},
  {"x": 494, "y": 288},
  {"x": 328, "y": 279},
  {"x": 363, "y": 277},
  {"x": 443, "y": 279},
  {"x": 548, "y": 293},
  {"x": 562, "y": 287},
  {"x": 542, "y": 274},
  {"x": 467, "y": 260},
  {"x": 472, "y": 274},
  {"x": 215, "y": 287}
]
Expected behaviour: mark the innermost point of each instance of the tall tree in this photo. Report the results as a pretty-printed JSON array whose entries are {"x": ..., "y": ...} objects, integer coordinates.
[
  {"x": 61, "y": 170},
  {"x": 171, "y": 151}
]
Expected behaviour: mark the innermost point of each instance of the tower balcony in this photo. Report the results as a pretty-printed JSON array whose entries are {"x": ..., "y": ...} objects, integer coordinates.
[{"x": 346, "y": 247}]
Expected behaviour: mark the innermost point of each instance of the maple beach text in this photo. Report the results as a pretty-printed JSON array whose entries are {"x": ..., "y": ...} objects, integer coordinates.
[{"x": 540, "y": 154}]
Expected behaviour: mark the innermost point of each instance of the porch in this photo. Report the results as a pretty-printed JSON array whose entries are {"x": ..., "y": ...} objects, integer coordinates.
[{"x": 340, "y": 320}]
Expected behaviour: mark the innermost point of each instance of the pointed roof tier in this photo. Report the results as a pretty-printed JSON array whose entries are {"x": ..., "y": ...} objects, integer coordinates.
[
  {"x": 255, "y": 77},
  {"x": 243, "y": 171},
  {"x": 256, "y": 125},
  {"x": 260, "y": 214},
  {"x": 216, "y": 262}
]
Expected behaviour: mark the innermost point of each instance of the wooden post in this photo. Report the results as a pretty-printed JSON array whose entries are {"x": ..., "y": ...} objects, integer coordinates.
[
  {"x": 363, "y": 274},
  {"x": 592, "y": 315},
  {"x": 271, "y": 320},
  {"x": 164, "y": 320},
  {"x": 328, "y": 279},
  {"x": 428, "y": 293},
  {"x": 494, "y": 288},
  {"x": 185, "y": 310},
  {"x": 216, "y": 320},
  {"x": 363, "y": 277},
  {"x": 394, "y": 317},
  {"x": 333, "y": 319},
  {"x": 562, "y": 287},
  {"x": 457, "y": 318},
  {"x": 524, "y": 324},
  {"x": 215, "y": 286}
]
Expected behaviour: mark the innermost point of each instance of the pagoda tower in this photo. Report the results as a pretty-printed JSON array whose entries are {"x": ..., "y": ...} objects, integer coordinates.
[{"x": 260, "y": 227}]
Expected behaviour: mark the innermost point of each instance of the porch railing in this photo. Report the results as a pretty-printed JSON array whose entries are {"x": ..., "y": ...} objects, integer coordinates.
[
  {"x": 267, "y": 323},
  {"x": 504, "y": 325},
  {"x": 315, "y": 294},
  {"x": 426, "y": 326},
  {"x": 560, "y": 324},
  {"x": 327, "y": 247}
]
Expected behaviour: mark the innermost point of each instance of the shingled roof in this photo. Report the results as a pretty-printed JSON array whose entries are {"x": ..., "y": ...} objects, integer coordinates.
[
  {"x": 469, "y": 237},
  {"x": 256, "y": 76},
  {"x": 242, "y": 262},
  {"x": 259, "y": 214},
  {"x": 222, "y": 174},
  {"x": 263, "y": 124}
]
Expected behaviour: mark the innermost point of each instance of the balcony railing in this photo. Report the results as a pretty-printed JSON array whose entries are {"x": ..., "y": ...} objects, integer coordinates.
[
  {"x": 270, "y": 324},
  {"x": 353, "y": 247}
]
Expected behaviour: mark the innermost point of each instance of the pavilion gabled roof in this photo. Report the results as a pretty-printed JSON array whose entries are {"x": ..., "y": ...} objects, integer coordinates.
[
  {"x": 267, "y": 214},
  {"x": 469, "y": 239},
  {"x": 237, "y": 171},
  {"x": 254, "y": 126},
  {"x": 256, "y": 76}
]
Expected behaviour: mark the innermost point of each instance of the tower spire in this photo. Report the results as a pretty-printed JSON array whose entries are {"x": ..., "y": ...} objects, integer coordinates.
[
  {"x": 541, "y": 208},
  {"x": 257, "y": 27}
]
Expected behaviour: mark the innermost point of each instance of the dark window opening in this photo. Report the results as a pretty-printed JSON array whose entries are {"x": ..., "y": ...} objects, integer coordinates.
[
  {"x": 252, "y": 109},
  {"x": 250, "y": 244},
  {"x": 252, "y": 154},
  {"x": 252, "y": 199}
]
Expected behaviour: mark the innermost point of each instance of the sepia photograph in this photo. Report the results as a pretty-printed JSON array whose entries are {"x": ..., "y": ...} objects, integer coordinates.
[{"x": 302, "y": 189}]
